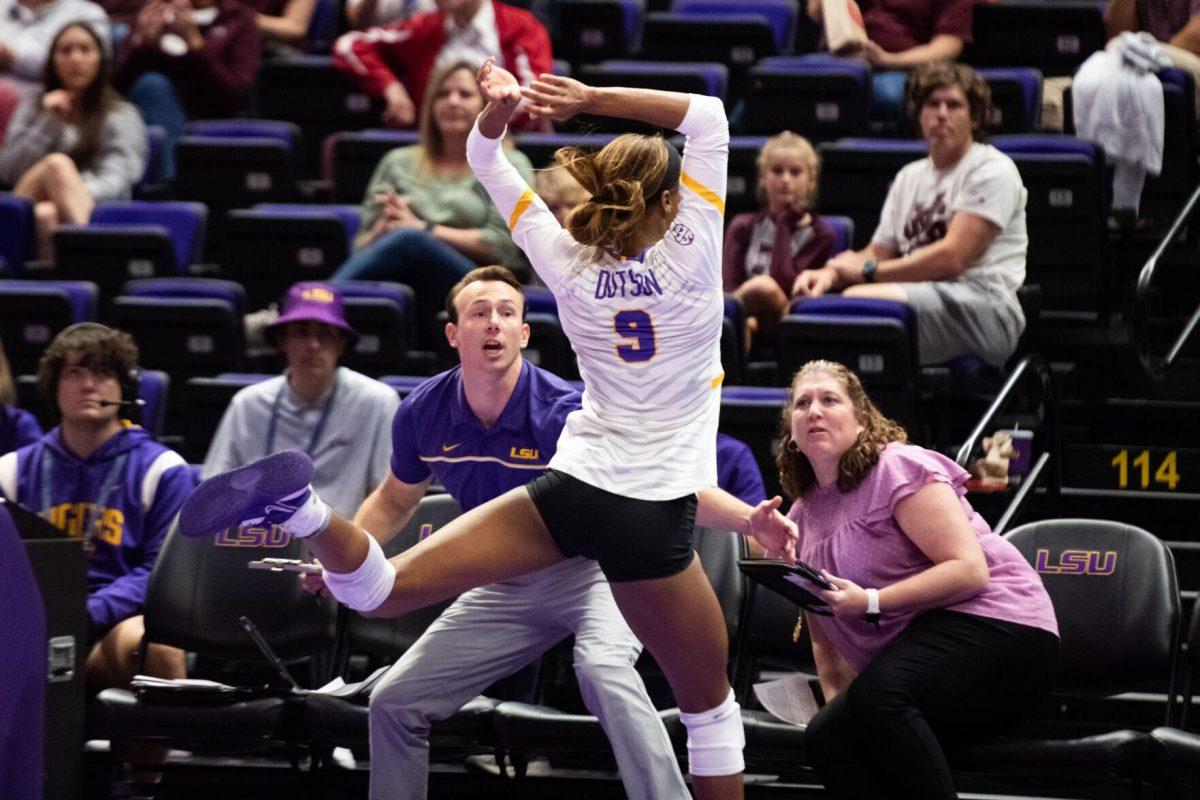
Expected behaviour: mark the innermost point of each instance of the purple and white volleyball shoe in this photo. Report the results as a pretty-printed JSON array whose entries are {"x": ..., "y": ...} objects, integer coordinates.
[{"x": 275, "y": 490}]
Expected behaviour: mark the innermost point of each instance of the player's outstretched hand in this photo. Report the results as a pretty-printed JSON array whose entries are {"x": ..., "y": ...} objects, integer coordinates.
[
  {"x": 557, "y": 98},
  {"x": 498, "y": 85}
]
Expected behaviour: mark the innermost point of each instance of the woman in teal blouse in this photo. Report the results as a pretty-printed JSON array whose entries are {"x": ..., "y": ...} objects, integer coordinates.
[{"x": 426, "y": 221}]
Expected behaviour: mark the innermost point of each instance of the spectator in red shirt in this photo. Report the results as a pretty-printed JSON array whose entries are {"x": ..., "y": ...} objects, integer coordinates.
[
  {"x": 766, "y": 250},
  {"x": 396, "y": 62},
  {"x": 903, "y": 34},
  {"x": 189, "y": 59}
]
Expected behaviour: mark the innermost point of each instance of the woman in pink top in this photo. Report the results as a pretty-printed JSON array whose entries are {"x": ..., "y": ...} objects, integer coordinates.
[{"x": 941, "y": 634}]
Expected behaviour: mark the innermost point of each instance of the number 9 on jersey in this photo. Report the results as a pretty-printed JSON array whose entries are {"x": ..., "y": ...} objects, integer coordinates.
[{"x": 635, "y": 324}]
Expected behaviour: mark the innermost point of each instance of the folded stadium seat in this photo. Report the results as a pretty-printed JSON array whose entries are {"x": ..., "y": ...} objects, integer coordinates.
[
  {"x": 856, "y": 174},
  {"x": 205, "y": 400},
  {"x": 540, "y": 147},
  {"x": 1052, "y": 37},
  {"x": 1016, "y": 98},
  {"x": 548, "y": 345},
  {"x": 271, "y": 246},
  {"x": 1066, "y": 221},
  {"x": 1176, "y": 749},
  {"x": 1166, "y": 193},
  {"x": 710, "y": 79},
  {"x": 771, "y": 644},
  {"x": 875, "y": 338},
  {"x": 733, "y": 341},
  {"x": 751, "y": 414},
  {"x": 736, "y": 39},
  {"x": 384, "y": 315},
  {"x": 349, "y": 159},
  {"x": 138, "y": 239},
  {"x": 184, "y": 326},
  {"x": 823, "y": 98},
  {"x": 526, "y": 730},
  {"x": 198, "y": 590},
  {"x": 342, "y": 722},
  {"x": 16, "y": 234},
  {"x": 593, "y": 30},
  {"x": 310, "y": 92},
  {"x": 33, "y": 312},
  {"x": 1116, "y": 597}
]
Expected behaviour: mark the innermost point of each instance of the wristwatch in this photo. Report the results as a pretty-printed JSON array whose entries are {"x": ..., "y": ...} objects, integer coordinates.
[
  {"x": 868, "y": 272},
  {"x": 872, "y": 616}
]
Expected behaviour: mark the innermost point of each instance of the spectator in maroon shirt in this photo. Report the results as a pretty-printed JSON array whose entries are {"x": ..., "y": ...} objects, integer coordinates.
[
  {"x": 766, "y": 250},
  {"x": 189, "y": 59},
  {"x": 903, "y": 34}
]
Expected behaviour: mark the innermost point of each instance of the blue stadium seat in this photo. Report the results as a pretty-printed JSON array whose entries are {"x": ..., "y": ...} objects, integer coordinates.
[
  {"x": 735, "y": 39},
  {"x": 733, "y": 341},
  {"x": 540, "y": 147},
  {"x": 780, "y": 15},
  {"x": 1052, "y": 37},
  {"x": 751, "y": 414},
  {"x": 540, "y": 300},
  {"x": 843, "y": 229},
  {"x": 1065, "y": 218},
  {"x": 156, "y": 143},
  {"x": 184, "y": 326},
  {"x": 349, "y": 159},
  {"x": 33, "y": 312},
  {"x": 323, "y": 26},
  {"x": 875, "y": 338},
  {"x": 593, "y": 30},
  {"x": 137, "y": 239},
  {"x": 741, "y": 189},
  {"x": 236, "y": 163},
  {"x": 384, "y": 315},
  {"x": 856, "y": 174},
  {"x": 1164, "y": 194},
  {"x": 205, "y": 400},
  {"x": 273, "y": 245},
  {"x": 710, "y": 79},
  {"x": 16, "y": 234},
  {"x": 1016, "y": 98},
  {"x": 403, "y": 384},
  {"x": 153, "y": 388},
  {"x": 823, "y": 98}
]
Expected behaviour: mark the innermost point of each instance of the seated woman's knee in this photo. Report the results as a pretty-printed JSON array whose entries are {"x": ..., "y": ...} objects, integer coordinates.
[
  {"x": 874, "y": 695},
  {"x": 60, "y": 166},
  {"x": 45, "y": 214}
]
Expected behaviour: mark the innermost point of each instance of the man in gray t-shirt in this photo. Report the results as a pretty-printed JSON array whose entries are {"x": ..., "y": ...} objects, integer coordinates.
[
  {"x": 951, "y": 240},
  {"x": 342, "y": 419}
]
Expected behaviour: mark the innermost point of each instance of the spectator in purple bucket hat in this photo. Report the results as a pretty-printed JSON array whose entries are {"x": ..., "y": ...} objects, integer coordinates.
[{"x": 340, "y": 417}]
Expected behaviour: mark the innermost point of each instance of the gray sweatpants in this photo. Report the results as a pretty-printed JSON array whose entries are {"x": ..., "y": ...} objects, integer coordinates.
[{"x": 494, "y": 630}]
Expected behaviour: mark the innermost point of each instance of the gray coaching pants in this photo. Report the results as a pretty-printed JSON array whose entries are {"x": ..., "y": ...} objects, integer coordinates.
[{"x": 492, "y": 631}]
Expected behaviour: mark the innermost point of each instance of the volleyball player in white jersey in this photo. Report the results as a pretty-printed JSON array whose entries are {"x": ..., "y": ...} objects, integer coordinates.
[{"x": 638, "y": 284}]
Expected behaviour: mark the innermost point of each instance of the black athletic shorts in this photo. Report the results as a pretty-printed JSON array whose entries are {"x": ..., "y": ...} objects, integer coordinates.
[{"x": 632, "y": 540}]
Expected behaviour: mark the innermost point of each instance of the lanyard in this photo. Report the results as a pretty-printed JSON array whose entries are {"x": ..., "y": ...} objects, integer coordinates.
[
  {"x": 101, "y": 501},
  {"x": 316, "y": 436}
]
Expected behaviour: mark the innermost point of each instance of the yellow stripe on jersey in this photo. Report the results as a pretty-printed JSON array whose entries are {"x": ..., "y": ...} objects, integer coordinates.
[
  {"x": 702, "y": 190},
  {"x": 717, "y": 381},
  {"x": 520, "y": 208}
]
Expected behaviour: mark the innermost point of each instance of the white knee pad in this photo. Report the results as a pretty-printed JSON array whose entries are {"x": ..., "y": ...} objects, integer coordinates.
[
  {"x": 716, "y": 740},
  {"x": 367, "y": 587}
]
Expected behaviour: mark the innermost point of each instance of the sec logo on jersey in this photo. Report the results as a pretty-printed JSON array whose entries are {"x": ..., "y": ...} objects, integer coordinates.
[{"x": 682, "y": 234}]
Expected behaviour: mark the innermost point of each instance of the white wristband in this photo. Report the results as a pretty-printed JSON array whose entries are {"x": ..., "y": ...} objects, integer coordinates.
[
  {"x": 872, "y": 601},
  {"x": 369, "y": 585}
]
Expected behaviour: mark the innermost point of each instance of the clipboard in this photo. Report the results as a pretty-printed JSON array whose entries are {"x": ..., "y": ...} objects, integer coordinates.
[{"x": 798, "y": 582}]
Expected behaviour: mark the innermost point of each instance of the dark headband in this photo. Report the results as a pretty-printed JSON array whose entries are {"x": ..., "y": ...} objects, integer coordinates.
[{"x": 674, "y": 165}]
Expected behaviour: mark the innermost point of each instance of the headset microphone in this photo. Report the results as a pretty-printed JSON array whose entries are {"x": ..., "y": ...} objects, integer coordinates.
[{"x": 105, "y": 403}]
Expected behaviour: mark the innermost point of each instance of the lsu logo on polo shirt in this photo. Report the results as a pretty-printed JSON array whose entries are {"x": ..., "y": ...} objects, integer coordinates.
[{"x": 317, "y": 294}]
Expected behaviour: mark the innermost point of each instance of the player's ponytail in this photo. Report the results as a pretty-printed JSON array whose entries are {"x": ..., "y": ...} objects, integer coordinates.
[{"x": 624, "y": 179}]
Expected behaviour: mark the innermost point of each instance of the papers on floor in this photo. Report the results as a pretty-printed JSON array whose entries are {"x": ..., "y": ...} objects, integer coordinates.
[{"x": 790, "y": 699}]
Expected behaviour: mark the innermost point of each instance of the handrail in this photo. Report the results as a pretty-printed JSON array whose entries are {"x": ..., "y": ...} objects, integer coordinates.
[
  {"x": 1157, "y": 366},
  {"x": 1049, "y": 463}
]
